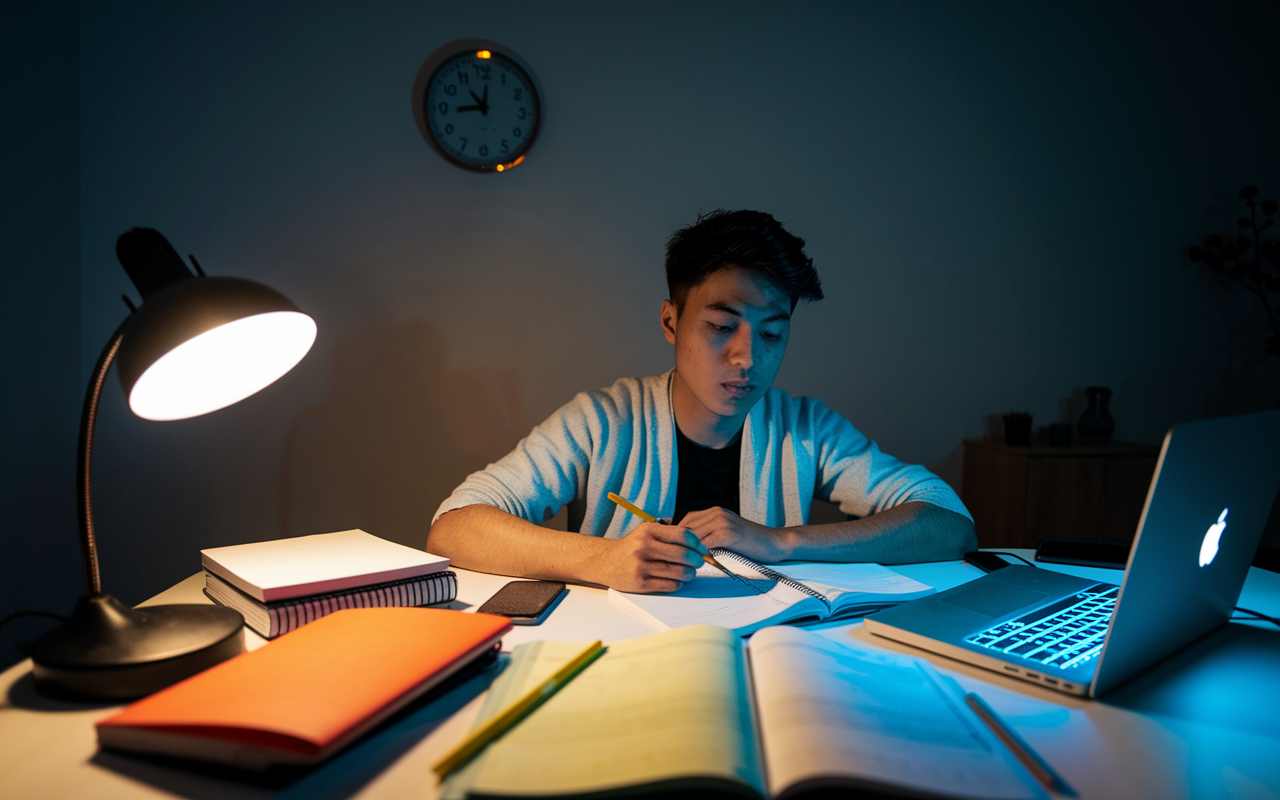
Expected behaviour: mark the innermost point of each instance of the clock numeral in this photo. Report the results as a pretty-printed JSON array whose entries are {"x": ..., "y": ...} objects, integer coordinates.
[
  {"x": 482, "y": 71},
  {"x": 451, "y": 89},
  {"x": 520, "y": 114},
  {"x": 504, "y": 145},
  {"x": 484, "y": 149},
  {"x": 444, "y": 107},
  {"x": 518, "y": 91},
  {"x": 463, "y": 77},
  {"x": 448, "y": 128},
  {"x": 516, "y": 133},
  {"x": 464, "y": 143}
]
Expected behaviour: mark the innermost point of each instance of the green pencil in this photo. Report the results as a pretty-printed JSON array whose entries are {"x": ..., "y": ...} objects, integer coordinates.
[{"x": 518, "y": 710}]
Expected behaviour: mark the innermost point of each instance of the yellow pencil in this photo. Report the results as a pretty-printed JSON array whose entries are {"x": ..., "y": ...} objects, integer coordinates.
[
  {"x": 647, "y": 517},
  {"x": 517, "y": 711}
]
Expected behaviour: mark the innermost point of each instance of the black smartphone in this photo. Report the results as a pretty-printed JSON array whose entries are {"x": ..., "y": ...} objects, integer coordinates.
[
  {"x": 525, "y": 602},
  {"x": 987, "y": 562},
  {"x": 1107, "y": 553}
]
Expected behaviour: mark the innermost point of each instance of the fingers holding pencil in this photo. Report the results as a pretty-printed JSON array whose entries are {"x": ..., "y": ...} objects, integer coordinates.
[
  {"x": 653, "y": 558},
  {"x": 692, "y": 541}
]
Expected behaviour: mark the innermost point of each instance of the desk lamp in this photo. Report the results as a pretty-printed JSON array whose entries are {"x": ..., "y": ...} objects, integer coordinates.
[{"x": 196, "y": 344}]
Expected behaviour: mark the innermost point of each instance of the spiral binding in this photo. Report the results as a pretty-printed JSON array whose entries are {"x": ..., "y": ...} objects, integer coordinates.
[
  {"x": 773, "y": 575},
  {"x": 438, "y": 587}
]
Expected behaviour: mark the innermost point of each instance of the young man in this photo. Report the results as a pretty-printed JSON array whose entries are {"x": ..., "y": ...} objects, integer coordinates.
[{"x": 709, "y": 446}]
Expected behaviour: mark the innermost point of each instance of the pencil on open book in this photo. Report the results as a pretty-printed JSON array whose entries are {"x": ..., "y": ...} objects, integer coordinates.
[
  {"x": 1018, "y": 746},
  {"x": 517, "y": 711},
  {"x": 647, "y": 517}
]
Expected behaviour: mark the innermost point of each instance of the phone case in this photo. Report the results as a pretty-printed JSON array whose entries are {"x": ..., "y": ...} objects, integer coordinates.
[
  {"x": 525, "y": 602},
  {"x": 987, "y": 562}
]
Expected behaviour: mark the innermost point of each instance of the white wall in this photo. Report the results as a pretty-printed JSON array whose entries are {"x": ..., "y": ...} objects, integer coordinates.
[{"x": 996, "y": 197}]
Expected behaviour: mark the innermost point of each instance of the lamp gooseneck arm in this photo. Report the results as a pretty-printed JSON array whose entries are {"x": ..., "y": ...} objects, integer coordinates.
[{"x": 88, "y": 417}]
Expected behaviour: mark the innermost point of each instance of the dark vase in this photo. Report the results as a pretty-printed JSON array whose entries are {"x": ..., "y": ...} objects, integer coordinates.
[{"x": 1096, "y": 425}]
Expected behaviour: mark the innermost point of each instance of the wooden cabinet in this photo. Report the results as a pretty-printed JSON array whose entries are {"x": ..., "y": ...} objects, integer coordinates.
[{"x": 1019, "y": 494}]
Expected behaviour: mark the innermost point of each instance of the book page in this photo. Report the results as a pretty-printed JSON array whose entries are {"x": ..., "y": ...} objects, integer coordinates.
[
  {"x": 863, "y": 578},
  {"x": 833, "y": 713},
  {"x": 744, "y": 603},
  {"x": 673, "y": 705}
]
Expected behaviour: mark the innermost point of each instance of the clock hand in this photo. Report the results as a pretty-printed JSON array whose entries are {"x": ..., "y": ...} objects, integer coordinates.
[{"x": 482, "y": 102}]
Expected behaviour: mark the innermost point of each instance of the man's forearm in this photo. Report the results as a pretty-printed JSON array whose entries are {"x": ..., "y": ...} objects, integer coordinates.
[
  {"x": 487, "y": 539},
  {"x": 909, "y": 533}
]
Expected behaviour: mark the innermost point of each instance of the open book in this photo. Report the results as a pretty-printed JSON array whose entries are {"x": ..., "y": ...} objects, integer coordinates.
[
  {"x": 756, "y": 596},
  {"x": 679, "y": 711}
]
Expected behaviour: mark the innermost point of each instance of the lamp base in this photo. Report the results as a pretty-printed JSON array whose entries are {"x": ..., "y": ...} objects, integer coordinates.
[{"x": 108, "y": 651}]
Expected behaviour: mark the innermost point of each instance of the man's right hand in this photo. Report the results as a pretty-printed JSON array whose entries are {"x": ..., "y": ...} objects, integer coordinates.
[{"x": 653, "y": 558}]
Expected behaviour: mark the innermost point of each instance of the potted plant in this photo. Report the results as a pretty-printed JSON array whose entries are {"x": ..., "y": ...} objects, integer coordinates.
[{"x": 1249, "y": 259}]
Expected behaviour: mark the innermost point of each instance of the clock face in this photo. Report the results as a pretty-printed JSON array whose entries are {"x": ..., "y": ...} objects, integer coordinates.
[{"x": 482, "y": 110}]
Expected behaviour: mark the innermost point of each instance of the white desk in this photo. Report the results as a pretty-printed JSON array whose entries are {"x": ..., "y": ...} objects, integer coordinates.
[{"x": 1204, "y": 724}]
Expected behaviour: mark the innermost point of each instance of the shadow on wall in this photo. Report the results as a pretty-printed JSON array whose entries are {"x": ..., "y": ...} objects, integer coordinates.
[{"x": 399, "y": 433}]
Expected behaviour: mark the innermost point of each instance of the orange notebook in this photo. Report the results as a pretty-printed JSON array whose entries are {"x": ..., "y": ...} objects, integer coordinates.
[{"x": 309, "y": 693}]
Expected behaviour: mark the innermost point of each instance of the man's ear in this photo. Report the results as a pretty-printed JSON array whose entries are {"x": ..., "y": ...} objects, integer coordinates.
[{"x": 669, "y": 318}]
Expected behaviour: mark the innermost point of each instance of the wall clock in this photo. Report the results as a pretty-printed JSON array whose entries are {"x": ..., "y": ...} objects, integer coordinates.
[{"x": 478, "y": 105}]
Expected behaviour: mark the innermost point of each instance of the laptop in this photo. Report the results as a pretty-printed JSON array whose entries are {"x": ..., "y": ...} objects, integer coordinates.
[{"x": 1204, "y": 515}]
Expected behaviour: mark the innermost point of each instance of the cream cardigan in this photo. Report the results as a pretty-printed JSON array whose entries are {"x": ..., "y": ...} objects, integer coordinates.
[{"x": 622, "y": 439}]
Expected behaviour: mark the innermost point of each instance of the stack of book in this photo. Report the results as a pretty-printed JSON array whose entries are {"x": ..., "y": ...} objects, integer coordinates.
[{"x": 281, "y": 585}]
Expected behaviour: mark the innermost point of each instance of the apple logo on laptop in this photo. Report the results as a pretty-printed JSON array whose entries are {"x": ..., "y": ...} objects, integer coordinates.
[{"x": 1209, "y": 547}]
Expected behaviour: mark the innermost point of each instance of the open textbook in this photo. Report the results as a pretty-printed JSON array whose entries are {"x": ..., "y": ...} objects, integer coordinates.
[
  {"x": 756, "y": 596},
  {"x": 679, "y": 711}
]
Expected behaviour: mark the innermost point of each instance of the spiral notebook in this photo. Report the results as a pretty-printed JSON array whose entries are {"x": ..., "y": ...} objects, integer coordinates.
[
  {"x": 270, "y": 620},
  {"x": 755, "y": 596}
]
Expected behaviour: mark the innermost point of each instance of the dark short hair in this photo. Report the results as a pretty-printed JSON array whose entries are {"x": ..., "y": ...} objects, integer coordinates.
[{"x": 750, "y": 240}]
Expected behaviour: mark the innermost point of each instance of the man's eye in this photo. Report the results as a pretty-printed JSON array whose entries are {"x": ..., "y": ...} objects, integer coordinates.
[
  {"x": 720, "y": 328},
  {"x": 771, "y": 337}
]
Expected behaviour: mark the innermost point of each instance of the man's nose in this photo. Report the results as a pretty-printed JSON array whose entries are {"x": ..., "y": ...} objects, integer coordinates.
[{"x": 740, "y": 351}]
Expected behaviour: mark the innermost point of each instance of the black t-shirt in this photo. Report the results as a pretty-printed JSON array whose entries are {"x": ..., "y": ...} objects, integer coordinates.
[{"x": 708, "y": 477}]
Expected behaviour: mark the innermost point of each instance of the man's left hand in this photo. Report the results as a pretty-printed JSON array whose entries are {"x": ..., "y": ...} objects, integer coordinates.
[{"x": 720, "y": 527}]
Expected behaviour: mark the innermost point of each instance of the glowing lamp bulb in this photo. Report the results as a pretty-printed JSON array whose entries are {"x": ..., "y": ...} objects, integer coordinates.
[
  {"x": 483, "y": 54},
  {"x": 222, "y": 366}
]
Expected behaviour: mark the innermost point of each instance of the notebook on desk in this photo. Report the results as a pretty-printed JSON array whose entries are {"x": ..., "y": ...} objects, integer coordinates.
[
  {"x": 1209, "y": 500},
  {"x": 308, "y": 694},
  {"x": 754, "y": 596}
]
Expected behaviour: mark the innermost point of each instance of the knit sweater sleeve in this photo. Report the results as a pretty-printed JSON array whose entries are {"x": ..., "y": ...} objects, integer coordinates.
[
  {"x": 855, "y": 474},
  {"x": 545, "y": 471}
]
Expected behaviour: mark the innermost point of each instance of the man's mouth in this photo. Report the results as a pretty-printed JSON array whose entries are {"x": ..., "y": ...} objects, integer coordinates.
[{"x": 737, "y": 388}]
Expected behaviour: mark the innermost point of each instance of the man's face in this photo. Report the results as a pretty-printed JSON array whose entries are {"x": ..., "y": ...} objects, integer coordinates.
[{"x": 729, "y": 339}]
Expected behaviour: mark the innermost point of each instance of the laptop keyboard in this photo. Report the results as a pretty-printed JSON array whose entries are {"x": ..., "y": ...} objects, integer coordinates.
[{"x": 1062, "y": 635}]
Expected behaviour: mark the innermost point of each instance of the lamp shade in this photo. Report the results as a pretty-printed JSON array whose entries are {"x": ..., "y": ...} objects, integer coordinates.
[
  {"x": 202, "y": 344},
  {"x": 199, "y": 344}
]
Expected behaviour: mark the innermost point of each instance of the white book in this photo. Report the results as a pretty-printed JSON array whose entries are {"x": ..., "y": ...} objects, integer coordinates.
[
  {"x": 282, "y": 569},
  {"x": 756, "y": 596}
]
